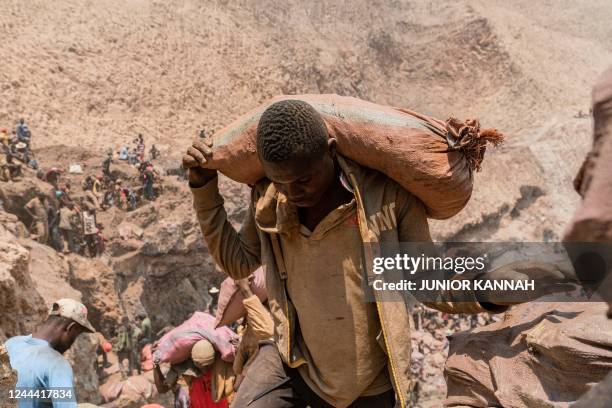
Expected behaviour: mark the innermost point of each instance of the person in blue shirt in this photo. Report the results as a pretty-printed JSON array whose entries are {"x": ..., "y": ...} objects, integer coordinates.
[
  {"x": 23, "y": 132},
  {"x": 39, "y": 361},
  {"x": 123, "y": 153}
]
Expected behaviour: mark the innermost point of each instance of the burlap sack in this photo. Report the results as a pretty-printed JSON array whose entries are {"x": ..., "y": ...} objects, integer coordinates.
[
  {"x": 541, "y": 355},
  {"x": 432, "y": 159}
]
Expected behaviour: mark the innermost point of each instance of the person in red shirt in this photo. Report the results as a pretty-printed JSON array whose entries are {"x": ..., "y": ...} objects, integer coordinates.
[{"x": 197, "y": 374}]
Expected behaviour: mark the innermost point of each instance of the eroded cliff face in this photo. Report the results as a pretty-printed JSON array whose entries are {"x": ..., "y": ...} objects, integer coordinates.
[
  {"x": 21, "y": 306},
  {"x": 32, "y": 277}
]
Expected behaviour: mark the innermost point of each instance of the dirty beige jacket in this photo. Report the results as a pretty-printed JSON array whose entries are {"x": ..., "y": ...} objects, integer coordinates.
[
  {"x": 259, "y": 327},
  {"x": 257, "y": 243}
]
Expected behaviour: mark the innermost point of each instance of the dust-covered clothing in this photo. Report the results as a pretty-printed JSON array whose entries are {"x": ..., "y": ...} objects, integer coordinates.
[
  {"x": 40, "y": 220},
  {"x": 148, "y": 177},
  {"x": 37, "y": 209},
  {"x": 259, "y": 327},
  {"x": 181, "y": 374},
  {"x": 69, "y": 225},
  {"x": 124, "y": 339},
  {"x": 271, "y": 383},
  {"x": 386, "y": 215},
  {"x": 67, "y": 219},
  {"x": 147, "y": 330},
  {"x": 325, "y": 265},
  {"x": 106, "y": 165},
  {"x": 126, "y": 349},
  {"x": 40, "y": 231},
  {"x": 136, "y": 333},
  {"x": 4, "y": 139},
  {"x": 91, "y": 201}
]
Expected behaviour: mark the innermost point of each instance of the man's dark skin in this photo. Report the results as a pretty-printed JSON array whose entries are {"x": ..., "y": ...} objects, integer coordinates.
[
  {"x": 59, "y": 332},
  {"x": 313, "y": 187},
  {"x": 310, "y": 184}
]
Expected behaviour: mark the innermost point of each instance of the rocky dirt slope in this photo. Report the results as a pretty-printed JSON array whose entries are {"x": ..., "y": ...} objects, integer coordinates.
[
  {"x": 155, "y": 263},
  {"x": 32, "y": 277},
  {"x": 93, "y": 75}
]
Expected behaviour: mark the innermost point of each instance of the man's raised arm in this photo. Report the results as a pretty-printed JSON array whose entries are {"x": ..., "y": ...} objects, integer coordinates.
[{"x": 237, "y": 253}]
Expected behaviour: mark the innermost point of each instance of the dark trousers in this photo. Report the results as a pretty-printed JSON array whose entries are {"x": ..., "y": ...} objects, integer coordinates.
[
  {"x": 271, "y": 384},
  {"x": 148, "y": 190}
]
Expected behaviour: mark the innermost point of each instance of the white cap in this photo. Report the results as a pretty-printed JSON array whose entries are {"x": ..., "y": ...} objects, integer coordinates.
[{"x": 71, "y": 309}]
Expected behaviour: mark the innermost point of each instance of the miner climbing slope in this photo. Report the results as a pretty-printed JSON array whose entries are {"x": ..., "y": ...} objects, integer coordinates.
[{"x": 306, "y": 226}]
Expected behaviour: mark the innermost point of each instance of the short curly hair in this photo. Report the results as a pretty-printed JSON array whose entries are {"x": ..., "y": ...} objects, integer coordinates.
[{"x": 291, "y": 129}]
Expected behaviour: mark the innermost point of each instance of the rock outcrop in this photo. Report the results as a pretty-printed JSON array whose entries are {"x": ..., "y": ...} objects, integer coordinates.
[
  {"x": 8, "y": 379},
  {"x": 21, "y": 306},
  {"x": 32, "y": 277}
]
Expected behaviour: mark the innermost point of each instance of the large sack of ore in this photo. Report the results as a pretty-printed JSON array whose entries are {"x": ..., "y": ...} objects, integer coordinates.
[{"x": 433, "y": 159}]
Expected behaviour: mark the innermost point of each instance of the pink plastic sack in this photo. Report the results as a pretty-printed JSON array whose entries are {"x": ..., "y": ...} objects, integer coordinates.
[
  {"x": 146, "y": 358},
  {"x": 230, "y": 307},
  {"x": 175, "y": 346}
]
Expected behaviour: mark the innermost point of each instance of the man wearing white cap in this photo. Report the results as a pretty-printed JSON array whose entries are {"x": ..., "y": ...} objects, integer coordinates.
[{"x": 38, "y": 357}]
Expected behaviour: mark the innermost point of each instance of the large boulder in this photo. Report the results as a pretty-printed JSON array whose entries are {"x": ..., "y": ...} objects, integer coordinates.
[
  {"x": 12, "y": 224},
  {"x": 158, "y": 262},
  {"x": 83, "y": 359},
  {"x": 97, "y": 283},
  {"x": 32, "y": 277},
  {"x": 541, "y": 354},
  {"x": 8, "y": 379},
  {"x": 21, "y": 306},
  {"x": 15, "y": 195},
  {"x": 593, "y": 219}
]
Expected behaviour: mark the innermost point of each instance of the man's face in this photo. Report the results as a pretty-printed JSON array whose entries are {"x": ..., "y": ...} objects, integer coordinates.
[
  {"x": 305, "y": 181},
  {"x": 69, "y": 335}
]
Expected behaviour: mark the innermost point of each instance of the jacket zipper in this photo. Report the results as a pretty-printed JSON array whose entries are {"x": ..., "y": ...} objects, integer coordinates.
[
  {"x": 363, "y": 227},
  {"x": 283, "y": 275}
]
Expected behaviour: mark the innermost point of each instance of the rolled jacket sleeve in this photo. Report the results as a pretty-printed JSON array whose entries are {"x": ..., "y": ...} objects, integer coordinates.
[{"x": 258, "y": 317}]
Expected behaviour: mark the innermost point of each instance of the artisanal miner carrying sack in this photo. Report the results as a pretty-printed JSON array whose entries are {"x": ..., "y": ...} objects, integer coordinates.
[{"x": 432, "y": 159}]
